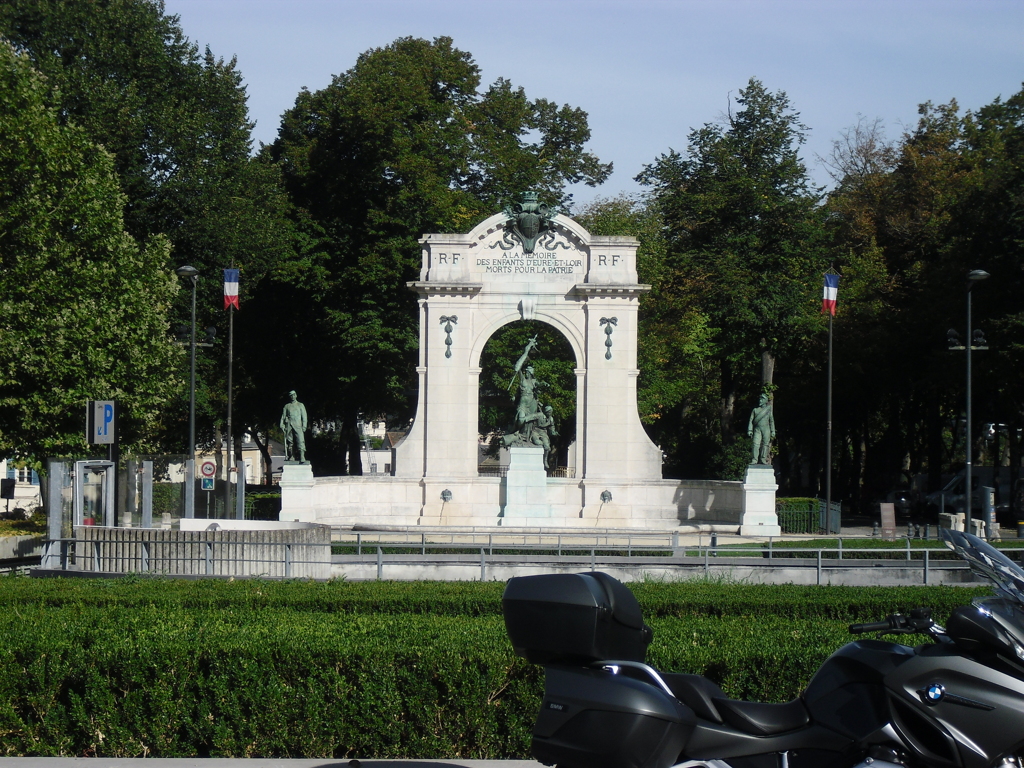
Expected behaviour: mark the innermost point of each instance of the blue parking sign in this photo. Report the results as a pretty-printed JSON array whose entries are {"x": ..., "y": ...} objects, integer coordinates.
[{"x": 102, "y": 422}]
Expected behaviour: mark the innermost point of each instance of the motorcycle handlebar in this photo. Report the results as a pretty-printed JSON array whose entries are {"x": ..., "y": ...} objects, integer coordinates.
[
  {"x": 874, "y": 626},
  {"x": 920, "y": 620}
]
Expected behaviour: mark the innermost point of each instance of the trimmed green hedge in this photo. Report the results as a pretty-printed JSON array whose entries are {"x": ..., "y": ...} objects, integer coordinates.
[
  {"x": 124, "y": 682},
  {"x": 371, "y": 670},
  {"x": 33, "y": 525}
]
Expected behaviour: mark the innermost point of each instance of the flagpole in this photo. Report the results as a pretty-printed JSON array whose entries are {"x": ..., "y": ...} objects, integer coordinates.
[
  {"x": 230, "y": 307},
  {"x": 231, "y": 453},
  {"x": 828, "y": 429},
  {"x": 828, "y": 304}
]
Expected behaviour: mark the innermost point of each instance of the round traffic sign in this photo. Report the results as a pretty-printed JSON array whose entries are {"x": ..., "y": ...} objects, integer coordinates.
[{"x": 208, "y": 468}]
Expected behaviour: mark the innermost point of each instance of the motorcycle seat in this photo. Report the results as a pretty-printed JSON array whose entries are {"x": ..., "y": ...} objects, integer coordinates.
[
  {"x": 709, "y": 702},
  {"x": 696, "y": 692},
  {"x": 763, "y": 719}
]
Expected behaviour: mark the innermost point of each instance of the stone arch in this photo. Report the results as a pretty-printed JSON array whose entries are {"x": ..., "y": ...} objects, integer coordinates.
[
  {"x": 554, "y": 319},
  {"x": 568, "y": 332}
]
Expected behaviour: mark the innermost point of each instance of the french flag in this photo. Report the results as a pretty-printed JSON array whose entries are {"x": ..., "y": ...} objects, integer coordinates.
[
  {"x": 828, "y": 299},
  {"x": 231, "y": 288}
]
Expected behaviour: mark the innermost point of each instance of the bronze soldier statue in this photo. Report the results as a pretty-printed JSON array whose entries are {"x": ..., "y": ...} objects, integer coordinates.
[
  {"x": 293, "y": 425},
  {"x": 761, "y": 427}
]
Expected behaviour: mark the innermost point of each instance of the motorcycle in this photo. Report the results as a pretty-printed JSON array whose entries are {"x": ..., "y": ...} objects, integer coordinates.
[{"x": 957, "y": 702}]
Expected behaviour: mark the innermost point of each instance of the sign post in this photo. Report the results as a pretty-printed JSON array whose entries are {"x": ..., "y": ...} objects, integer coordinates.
[
  {"x": 207, "y": 472},
  {"x": 101, "y": 417}
]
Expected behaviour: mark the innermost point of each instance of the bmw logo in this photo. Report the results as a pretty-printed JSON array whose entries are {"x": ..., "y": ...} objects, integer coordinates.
[{"x": 934, "y": 693}]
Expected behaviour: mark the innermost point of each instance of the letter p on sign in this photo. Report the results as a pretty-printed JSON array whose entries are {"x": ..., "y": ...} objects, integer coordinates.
[{"x": 102, "y": 422}]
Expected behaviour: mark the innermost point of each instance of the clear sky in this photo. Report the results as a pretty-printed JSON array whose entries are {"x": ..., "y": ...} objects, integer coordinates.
[{"x": 646, "y": 71}]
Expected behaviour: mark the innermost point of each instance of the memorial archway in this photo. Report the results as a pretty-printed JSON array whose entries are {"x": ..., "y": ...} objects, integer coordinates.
[
  {"x": 473, "y": 284},
  {"x": 525, "y": 265}
]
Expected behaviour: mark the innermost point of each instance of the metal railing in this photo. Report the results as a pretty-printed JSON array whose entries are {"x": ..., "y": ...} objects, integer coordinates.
[
  {"x": 201, "y": 557},
  {"x": 525, "y": 541},
  {"x": 910, "y": 558},
  {"x": 664, "y": 550}
]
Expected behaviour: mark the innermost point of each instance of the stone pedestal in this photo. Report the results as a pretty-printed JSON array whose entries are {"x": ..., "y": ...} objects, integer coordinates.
[
  {"x": 297, "y": 492},
  {"x": 759, "y": 517},
  {"x": 526, "y": 485}
]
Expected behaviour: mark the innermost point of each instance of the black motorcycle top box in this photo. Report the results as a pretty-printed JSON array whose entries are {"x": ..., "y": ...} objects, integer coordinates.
[{"x": 574, "y": 618}]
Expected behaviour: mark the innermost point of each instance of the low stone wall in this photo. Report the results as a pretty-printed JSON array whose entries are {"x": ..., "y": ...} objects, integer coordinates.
[
  {"x": 290, "y": 553},
  {"x": 15, "y": 547},
  {"x": 480, "y": 501},
  {"x": 394, "y": 568}
]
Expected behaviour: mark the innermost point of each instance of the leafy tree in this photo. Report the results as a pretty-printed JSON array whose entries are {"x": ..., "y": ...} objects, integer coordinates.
[
  {"x": 175, "y": 121},
  {"x": 913, "y": 217},
  {"x": 678, "y": 386},
  {"x": 83, "y": 307},
  {"x": 400, "y": 145},
  {"x": 745, "y": 240}
]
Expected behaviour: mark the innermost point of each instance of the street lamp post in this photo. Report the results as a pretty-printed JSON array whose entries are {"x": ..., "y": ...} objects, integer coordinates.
[
  {"x": 972, "y": 277},
  {"x": 193, "y": 274}
]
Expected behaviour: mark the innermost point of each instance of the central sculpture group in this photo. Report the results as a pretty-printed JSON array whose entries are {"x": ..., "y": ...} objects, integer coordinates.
[{"x": 534, "y": 421}]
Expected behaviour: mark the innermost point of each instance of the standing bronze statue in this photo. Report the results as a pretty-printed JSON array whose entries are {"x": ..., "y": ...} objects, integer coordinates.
[
  {"x": 293, "y": 425},
  {"x": 761, "y": 427},
  {"x": 528, "y": 411},
  {"x": 527, "y": 408}
]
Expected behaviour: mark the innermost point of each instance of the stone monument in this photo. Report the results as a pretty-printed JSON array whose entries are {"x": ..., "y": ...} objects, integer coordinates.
[
  {"x": 759, "y": 517},
  {"x": 297, "y": 474},
  {"x": 529, "y": 262}
]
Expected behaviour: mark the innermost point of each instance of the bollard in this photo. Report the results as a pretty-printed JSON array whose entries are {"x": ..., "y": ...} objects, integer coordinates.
[
  {"x": 714, "y": 544},
  {"x": 917, "y": 530},
  {"x": 988, "y": 503},
  {"x": 875, "y": 529},
  {"x": 1020, "y": 529},
  {"x": 910, "y": 530},
  {"x": 927, "y": 531}
]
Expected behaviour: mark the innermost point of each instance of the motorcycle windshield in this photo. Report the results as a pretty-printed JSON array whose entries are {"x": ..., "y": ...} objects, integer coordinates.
[{"x": 988, "y": 562}]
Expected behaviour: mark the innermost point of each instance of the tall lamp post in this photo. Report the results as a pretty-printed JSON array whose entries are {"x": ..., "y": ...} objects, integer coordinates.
[
  {"x": 193, "y": 274},
  {"x": 972, "y": 277}
]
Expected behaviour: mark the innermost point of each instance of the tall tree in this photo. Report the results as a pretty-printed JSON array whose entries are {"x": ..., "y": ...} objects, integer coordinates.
[
  {"x": 679, "y": 377},
  {"x": 83, "y": 307},
  {"x": 176, "y": 123},
  {"x": 400, "y": 145},
  {"x": 744, "y": 227}
]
